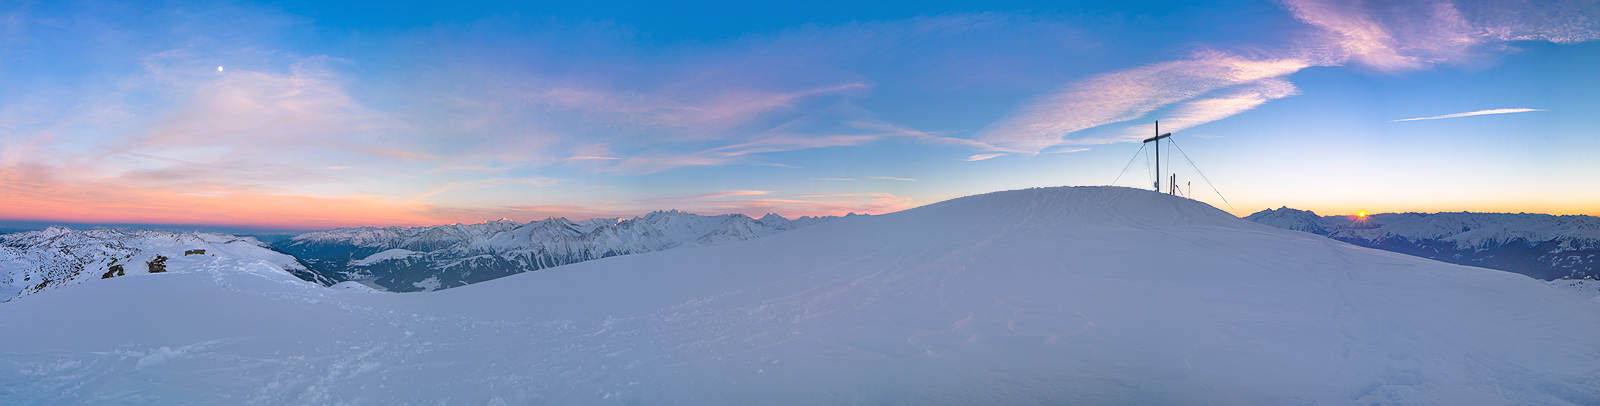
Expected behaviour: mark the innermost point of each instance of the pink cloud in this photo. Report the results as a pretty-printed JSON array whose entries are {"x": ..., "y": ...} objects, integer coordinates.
[
  {"x": 1129, "y": 94},
  {"x": 697, "y": 114},
  {"x": 722, "y": 194},
  {"x": 239, "y": 129},
  {"x": 1213, "y": 85},
  {"x": 482, "y": 183},
  {"x": 1394, "y": 36},
  {"x": 1219, "y": 106}
]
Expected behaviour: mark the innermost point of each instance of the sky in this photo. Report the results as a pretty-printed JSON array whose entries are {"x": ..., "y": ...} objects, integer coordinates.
[{"x": 305, "y": 115}]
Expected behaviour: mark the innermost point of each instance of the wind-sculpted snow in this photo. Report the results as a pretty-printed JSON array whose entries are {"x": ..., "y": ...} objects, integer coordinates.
[
  {"x": 56, "y": 257},
  {"x": 1538, "y": 245},
  {"x": 1097, "y": 296},
  {"x": 431, "y": 258}
]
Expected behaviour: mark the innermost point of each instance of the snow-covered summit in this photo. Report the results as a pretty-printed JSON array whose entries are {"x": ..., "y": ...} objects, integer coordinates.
[{"x": 55, "y": 257}]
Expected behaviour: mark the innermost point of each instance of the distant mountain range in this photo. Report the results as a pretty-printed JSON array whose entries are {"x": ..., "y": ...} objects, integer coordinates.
[
  {"x": 396, "y": 259},
  {"x": 1538, "y": 245},
  {"x": 408, "y": 259}
]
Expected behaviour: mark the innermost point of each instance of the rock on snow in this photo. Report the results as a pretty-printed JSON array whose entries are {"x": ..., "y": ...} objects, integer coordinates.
[{"x": 1087, "y": 295}]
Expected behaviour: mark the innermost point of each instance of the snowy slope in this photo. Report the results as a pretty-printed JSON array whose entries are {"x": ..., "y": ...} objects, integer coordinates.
[
  {"x": 1588, "y": 287},
  {"x": 56, "y": 257},
  {"x": 1043, "y": 296},
  {"x": 430, "y": 258},
  {"x": 1538, "y": 245}
]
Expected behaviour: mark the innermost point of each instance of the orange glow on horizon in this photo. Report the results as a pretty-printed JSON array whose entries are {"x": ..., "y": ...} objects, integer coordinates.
[{"x": 43, "y": 199}]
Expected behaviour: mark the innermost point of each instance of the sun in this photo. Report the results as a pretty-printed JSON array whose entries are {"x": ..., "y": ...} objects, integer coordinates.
[{"x": 1361, "y": 214}]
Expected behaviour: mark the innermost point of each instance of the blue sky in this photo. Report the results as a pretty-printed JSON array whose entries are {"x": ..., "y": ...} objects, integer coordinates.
[{"x": 310, "y": 115}]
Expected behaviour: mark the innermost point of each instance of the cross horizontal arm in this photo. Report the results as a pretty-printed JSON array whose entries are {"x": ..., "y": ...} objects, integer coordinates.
[{"x": 1157, "y": 137}]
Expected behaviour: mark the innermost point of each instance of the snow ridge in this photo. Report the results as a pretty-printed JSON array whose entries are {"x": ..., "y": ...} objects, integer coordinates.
[{"x": 56, "y": 257}]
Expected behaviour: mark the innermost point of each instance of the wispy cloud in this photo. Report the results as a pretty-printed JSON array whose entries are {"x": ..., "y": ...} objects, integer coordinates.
[
  {"x": 1471, "y": 113},
  {"x": 246, "y": 129},
  {"x": 1356, "y": 33},
  {"x": 1129, "y": 94},
  {"x": 697, "y": 115},
  {"x": 722, "y": 194},
  {"x": 980, "y": 157},
  {"x": 1219, "y": 105},
  {"x": 892, "y": 178},
  {"x": 839, "y": 195},
  {"x": 1212, "y": 85},
  {"x": 791, "y": 136},
  {"x": 487, "y": 183},
  {"x": 1394, "y": 36}
]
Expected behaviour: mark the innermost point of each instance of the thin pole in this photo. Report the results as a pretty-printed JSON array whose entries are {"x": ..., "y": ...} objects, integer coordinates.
[
  {"x": 1203, "y": 177},
  {"x": 1129, "y": 165}
]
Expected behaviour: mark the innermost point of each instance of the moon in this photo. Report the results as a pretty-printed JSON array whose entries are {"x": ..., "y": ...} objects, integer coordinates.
[{"x": 219, "y": 69}]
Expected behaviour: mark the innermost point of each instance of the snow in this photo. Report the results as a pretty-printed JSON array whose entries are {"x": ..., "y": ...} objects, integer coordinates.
[
  {"x": 353, "y": 286},
  {"x": 1538, "y": 245},
  {"x": 385, "y": 255},
  {"x": 1465, "y": 230},
  {"x": 57, "y": 257},
  {"x": 456, "y": 255},
  {"x": 1589, "y": 288},
  {"x": 1043, "y": 296}
]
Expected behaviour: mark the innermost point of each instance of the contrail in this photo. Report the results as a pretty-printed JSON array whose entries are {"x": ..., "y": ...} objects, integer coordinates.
[{"x": 1471, "y": 113}]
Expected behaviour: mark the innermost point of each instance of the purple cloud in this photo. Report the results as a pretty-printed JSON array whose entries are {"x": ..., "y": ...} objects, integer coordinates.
[{"x": 1212, "y": 85}]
